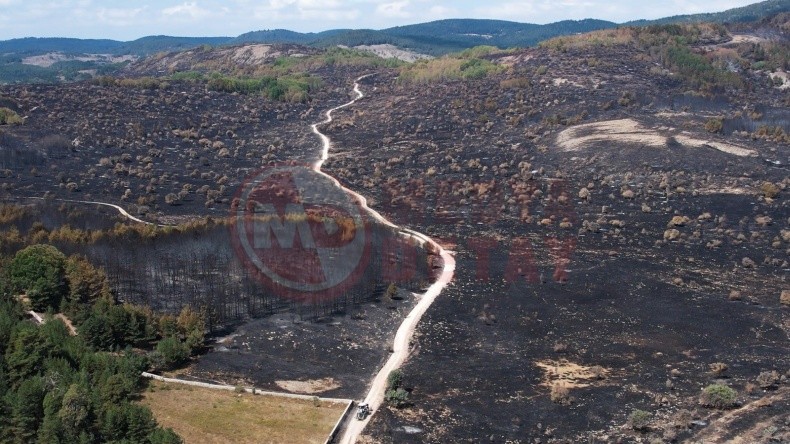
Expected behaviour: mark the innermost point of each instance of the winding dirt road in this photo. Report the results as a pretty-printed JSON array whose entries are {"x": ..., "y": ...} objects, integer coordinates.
[
  {"x": 400, "y": 346},
  {"x": 123, "y": 212}
]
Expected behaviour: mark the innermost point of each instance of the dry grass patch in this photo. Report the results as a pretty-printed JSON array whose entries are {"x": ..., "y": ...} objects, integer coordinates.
[
  {"x": 202, "y": 415},
  {"x": 310, "y": 386},
  {"x": 570, "y": 375}
]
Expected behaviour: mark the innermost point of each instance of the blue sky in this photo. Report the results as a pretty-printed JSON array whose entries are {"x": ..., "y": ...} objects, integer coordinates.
[{"x": 126, "y": 20}]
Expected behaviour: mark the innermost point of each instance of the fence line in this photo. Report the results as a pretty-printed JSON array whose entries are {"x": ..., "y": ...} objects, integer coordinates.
[
  {"x": 252, "y": 390},
  {"x": 339, "y": 423}
]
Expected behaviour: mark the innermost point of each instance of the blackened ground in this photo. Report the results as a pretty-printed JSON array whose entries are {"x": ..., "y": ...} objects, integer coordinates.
[
  {"x": 347, "y": 348},
  {"x": 648, "y": 305}
]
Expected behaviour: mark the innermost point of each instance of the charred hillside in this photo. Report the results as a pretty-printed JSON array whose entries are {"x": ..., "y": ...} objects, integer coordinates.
[{"x": 616, "y": 205}]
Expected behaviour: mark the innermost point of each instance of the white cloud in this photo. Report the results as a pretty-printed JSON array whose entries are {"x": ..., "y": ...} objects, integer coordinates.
[
  {"x": 187, "y": 9},
  {"x": 508, "y": 11},
  {"x": 279, "y": 4},
  {"x": 284, "y": 13},
  {"x": 442, "y": 11},
  {"x": 394, "y": 9},
  {"x": 333, "y": 15},
  {"x": 118, "y": 16},
  {"x": 321, "y": 4}
]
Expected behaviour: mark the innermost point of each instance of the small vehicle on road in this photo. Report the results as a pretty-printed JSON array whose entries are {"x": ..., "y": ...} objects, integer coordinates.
[{"x": 363, "y": 410}]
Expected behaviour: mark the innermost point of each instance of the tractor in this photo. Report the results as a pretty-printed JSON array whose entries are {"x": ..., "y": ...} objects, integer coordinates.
[{"x": 363, "y": 410}]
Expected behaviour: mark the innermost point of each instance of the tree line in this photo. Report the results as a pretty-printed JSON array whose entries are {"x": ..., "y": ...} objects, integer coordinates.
[{"x": 192, "y": 265}]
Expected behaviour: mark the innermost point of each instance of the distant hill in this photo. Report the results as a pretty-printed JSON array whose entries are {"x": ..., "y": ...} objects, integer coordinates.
[
  {"x": 747, "y": 13},
  {"x": 153, "y": 44},
  {"x": 141, "y": 46},
  {"x": 437, "y": 37},
  {"x": 464, "y": 33},
  {"x": 434, "y": 38},
  {"x": 36, "y": 45},
  {"x": 284, "y": 36}
]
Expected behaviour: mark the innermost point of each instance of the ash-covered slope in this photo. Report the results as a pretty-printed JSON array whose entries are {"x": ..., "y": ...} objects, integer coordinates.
[{"x": 621, "y": 228}]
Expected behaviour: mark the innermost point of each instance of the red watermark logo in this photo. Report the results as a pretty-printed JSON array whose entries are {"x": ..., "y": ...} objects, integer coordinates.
[
  {"x": 299, "y": 234},
  {"x": 309, "y": 240}
]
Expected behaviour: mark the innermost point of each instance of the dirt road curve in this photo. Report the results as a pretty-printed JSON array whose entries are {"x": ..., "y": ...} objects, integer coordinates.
[
  {"x": 400, "y": 347},
  {"x": 123, "y": 212}
]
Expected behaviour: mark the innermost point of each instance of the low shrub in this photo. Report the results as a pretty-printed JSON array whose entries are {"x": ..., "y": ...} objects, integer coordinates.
[
  {"x": 639, "y": 420},
  {"x": 718, "y": 396},
  {"x": 10, "y": 117},
  {"x": 714, "y": 125},
  {"x": 398, "y": 397},
  {"x": 394, "y": 379}
]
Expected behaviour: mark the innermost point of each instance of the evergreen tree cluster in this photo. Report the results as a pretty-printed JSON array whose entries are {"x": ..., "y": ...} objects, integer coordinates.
[{"x": 57, "y": 387}]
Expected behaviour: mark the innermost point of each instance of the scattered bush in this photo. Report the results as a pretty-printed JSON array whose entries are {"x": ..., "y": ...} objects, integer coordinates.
[
  {"x": 639, "y": 420},
  {"x": 767, "y": 380},
  {"x": 598, "y": 372},
  {"x": 398, "y": 397},
  {"x": 718, "y": 368},
  {"x": 289, "y": 88},
  {"x": 392, "y": 292},
  {"x": 714, "y": 125},
  {"x": 10, "y": 117},
  {"x": 395, "y": 394},
  {"x": 671, "y": 234},
  {"x": 718, "y": 396},
  {"x": 465, "y": 65},
  {"x": 769, "y": 190},
  {"x": 394, "y": 379}
]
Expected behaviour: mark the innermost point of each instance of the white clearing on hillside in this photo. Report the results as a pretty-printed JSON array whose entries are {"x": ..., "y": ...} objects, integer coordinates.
[
  {"x": 50, "y": 58},
  {"x": 723, "y": 147},
  {"x": 387, "y": 51},
  {"x": 256, "y": 54},
  {"x": 629, "y": 131},
  {"x": 616, "y": 131}
]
